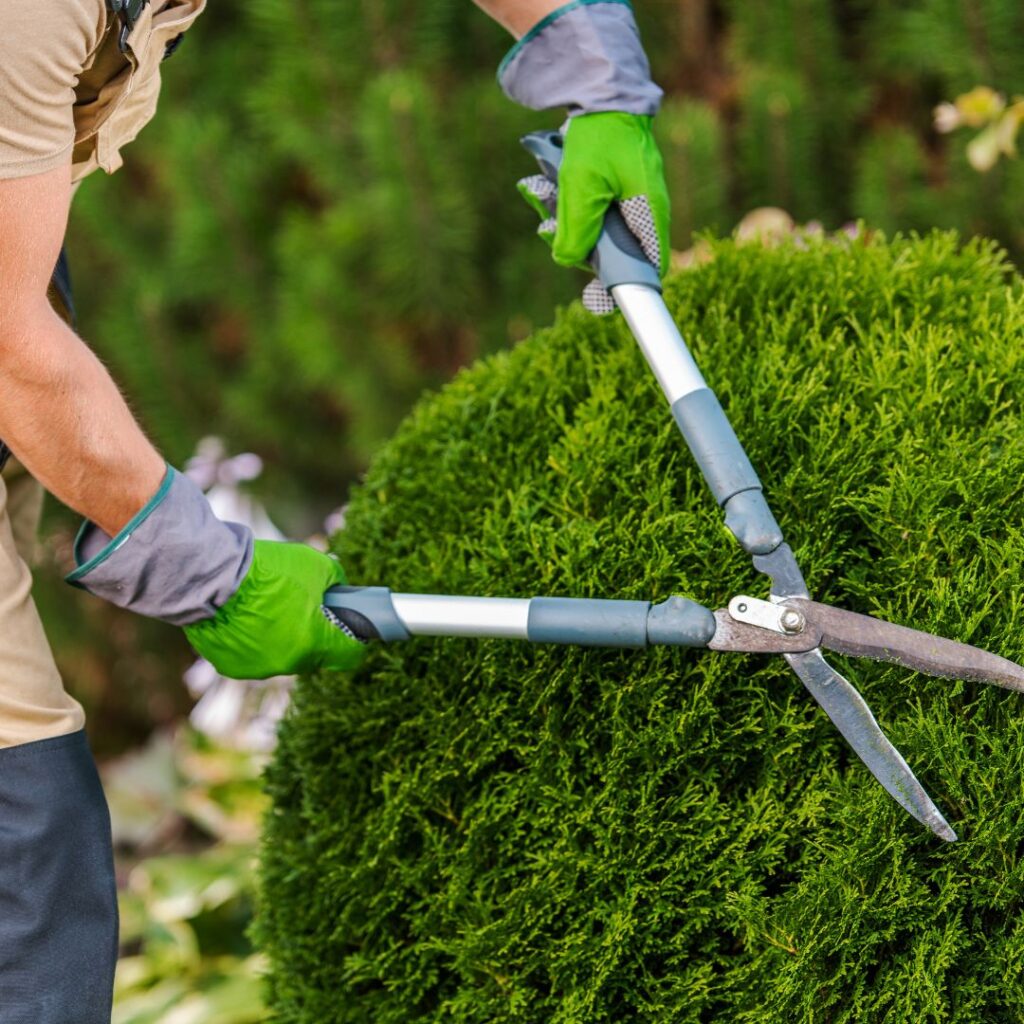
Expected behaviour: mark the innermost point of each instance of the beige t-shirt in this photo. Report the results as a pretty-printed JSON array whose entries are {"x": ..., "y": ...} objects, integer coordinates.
[{"x": 68, "y": 92}]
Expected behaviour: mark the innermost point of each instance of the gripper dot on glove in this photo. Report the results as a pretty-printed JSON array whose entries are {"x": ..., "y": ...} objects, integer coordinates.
[
  {"x": 640, "y": 220},
  {"x": 543, "y": 189}
]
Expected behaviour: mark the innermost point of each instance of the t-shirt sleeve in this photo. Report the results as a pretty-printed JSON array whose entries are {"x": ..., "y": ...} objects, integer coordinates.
[{"x": 44, "y": 44}]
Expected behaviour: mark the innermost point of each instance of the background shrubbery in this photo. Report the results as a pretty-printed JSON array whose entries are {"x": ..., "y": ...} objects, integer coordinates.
[
  {"x": 489, "y": 831},
  {"x": 322, "y": 221}
]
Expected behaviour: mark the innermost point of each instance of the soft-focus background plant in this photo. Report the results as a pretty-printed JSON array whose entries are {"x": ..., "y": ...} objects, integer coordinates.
[
  {"x": 186, "y": 816},
  {"x": 322, "y": 222}
]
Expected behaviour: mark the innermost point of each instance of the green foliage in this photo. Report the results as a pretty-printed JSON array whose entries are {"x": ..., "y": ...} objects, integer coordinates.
[
  {"x": 776, "y": 143},
  {"x": 323, "y": 221},
  {"x": 493, "y": 831},
  {"x": 891, "y": 184},
  {"x": 185, "y": 815},
  {"x": 799, "y": 99},
  {"x": 691, "y": 139},
  {"x": 963, "y": 44}
]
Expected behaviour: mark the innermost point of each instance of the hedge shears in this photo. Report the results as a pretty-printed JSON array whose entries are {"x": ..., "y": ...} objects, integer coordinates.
[{"x": 788, "y": 623}]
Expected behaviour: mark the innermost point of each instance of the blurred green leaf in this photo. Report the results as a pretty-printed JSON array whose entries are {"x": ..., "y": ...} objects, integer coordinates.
[{"x": 185, "y": 911}]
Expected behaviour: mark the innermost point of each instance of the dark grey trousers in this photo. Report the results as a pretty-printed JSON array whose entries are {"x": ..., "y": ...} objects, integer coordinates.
[{"x": 58, "y": 899}]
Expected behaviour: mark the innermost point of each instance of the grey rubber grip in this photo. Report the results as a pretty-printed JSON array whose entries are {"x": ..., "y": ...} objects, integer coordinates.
[
  {"x": 727, "y": 470},
  {"x": 751, "y": 522},
  {"x": 618, "y": 257},
  {"x": 714, "y": 444},
  {"x": 368, "y": 611},
  {"x": 681, "y": 622},
  {"x": 589, "y": 623}
]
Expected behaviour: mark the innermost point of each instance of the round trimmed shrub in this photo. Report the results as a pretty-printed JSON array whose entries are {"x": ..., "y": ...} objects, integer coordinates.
[{"x": 478, "y": 831}]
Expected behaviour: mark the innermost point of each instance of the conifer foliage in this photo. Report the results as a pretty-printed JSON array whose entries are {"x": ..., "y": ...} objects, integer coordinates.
[
  {"x": 491, "y": 831},
  {"x": 322, "y": 220}
]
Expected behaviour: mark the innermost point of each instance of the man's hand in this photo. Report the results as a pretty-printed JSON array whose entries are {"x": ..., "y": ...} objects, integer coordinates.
[
  {"x": 60, "y": 412},
  {"x": 587, "y": 57},
  {"x": 274, "y": 624},
  {"x": 607, "y": 158}
]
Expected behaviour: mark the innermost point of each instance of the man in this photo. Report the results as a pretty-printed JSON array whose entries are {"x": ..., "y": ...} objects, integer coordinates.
[{"x": 78, "y": 79}]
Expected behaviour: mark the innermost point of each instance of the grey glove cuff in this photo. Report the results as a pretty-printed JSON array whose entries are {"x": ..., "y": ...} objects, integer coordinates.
[
  {"x": 586, "y": 56},
  {"x": 174, "y": 561}
]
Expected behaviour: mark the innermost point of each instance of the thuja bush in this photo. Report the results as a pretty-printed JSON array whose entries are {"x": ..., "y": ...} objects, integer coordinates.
[{"x": 477, "y": 831}]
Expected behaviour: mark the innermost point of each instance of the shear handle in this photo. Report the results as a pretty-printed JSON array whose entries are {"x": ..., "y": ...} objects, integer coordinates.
[{"x": 375, "y": 613}]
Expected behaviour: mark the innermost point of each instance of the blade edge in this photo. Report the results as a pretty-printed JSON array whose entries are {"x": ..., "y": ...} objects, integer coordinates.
[{"x": 850, "y": 714}]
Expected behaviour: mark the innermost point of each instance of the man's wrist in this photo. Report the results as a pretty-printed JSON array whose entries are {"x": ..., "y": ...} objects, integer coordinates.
[
  {"x": 585, "y": 56},
  {"x": 121, "y": 506}
]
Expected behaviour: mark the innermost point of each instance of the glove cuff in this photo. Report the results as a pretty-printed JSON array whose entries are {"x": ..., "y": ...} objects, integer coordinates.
[
  {"x": 175, "y": 560},
  {"x": 586, "y": 56}
]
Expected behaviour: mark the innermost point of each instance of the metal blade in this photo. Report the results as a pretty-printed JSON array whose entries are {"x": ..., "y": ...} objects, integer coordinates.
[
  {"x": 731, "y": 635},
  {"x": 852, "y": 717},
  {"x": 780, "y": 565},
  {"x": 866, "y": 637}
]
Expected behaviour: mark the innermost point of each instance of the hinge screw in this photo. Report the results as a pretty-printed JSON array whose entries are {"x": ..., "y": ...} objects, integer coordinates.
[{"x": 792, "y": 621}]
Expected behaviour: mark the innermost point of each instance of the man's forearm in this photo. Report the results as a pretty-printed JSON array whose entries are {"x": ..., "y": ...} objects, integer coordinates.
[
  {"x": 519, "y": 16},
  {"x": 64, "y": 418}
]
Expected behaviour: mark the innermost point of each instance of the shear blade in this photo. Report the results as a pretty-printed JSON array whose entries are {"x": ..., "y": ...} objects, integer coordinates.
[
  {"x": 853, "y": 718},
  {"x": 863, "y": 636}
]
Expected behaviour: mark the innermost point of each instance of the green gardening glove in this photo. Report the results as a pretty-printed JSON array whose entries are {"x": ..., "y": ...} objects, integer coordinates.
[
  {"x": 607, "y": 157},
  {"x": 587, "y": 57},
  {"x": 253, "y": 608},
  {"x": 274, "y": 623}
]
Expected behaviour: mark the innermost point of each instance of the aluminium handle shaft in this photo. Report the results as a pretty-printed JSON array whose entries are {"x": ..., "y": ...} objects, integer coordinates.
[
  {"x": 702, "y": 421},
  {"x": 375, "y": 613}
]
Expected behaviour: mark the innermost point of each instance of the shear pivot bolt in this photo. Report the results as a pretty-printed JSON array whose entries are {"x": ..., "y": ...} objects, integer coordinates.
[{"x": 792, "y": 621}]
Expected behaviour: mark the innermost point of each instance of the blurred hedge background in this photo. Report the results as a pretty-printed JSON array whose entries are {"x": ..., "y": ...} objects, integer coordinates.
[{"x": 321, "y": 223}]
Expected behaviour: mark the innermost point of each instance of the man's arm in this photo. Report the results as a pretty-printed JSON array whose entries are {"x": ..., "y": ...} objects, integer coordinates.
[
  {"x": 251, "y": 608},
  {"x": 518, "y": 16},
  {"x": 586, "y": 56},
  {"x": 60, "y": 412}
]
